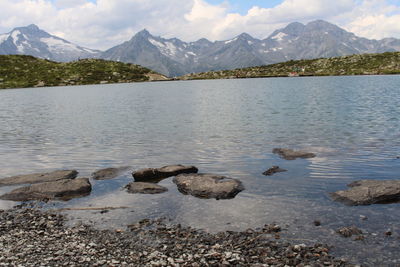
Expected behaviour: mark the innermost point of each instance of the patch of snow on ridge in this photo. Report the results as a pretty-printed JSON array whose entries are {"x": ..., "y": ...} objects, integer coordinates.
[
  {"x": 3, "y": 37},
  {"x": 15, "y": 35},
  {"x": 55, "y": 45},
  {"x": 279, "y": 37},
  {"x": 191, "y": 53},
  {"x": 230, "y": 41},
  {"x": 171, "y": 48},
  {"x": 156, "y": 43}
]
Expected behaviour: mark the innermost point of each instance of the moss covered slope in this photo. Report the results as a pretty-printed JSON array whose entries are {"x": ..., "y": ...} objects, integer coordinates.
[{"x": 26, "y": 71}]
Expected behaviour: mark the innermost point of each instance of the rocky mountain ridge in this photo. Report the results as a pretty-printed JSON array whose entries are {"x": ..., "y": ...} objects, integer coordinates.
[{"x": 173, "y": 57}]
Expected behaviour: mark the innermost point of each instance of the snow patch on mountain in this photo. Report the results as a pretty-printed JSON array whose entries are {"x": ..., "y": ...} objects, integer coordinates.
[
  {"x": 279, "y": 37},
  {"x": 57, "y": 45}
]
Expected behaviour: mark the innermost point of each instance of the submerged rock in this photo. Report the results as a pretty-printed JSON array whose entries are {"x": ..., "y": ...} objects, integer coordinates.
[
  {"x": 273, "y": 170},
  {"x": 349, "y": 231},
  {"x": 108, "y": 173},
  {"x": 208, "y": 186},
  {"x": 154, "y": 174},
  {"x": 62, "y": 189},
  {"x": 39, "y": 177},
  {"x": 145, "y": 188},
  {"x": 366, "y": 192},
  {"x": 290, "y": 154}
]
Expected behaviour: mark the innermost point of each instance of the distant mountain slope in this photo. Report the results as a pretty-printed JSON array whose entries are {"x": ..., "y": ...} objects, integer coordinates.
[
  {"x": 173, "y": 57},
  {"x": 365, "y": 64},
  {"x": 316, "y": 39},
  {"x": 18, "y": 71},
  {"x": 33, "y": 41}
]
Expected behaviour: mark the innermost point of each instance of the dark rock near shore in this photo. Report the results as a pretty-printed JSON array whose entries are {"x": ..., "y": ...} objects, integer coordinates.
[
  {"x": 366, "y": 192},
  {"x": 157, "y": 174},
  {"x": 273, "y": 170},
  {"x": 108, "y": 173},
  {"x": 39, "y": 177},
  {"x": 145, "y": 188},
  {"x": 290, "y": 154},
  {"x": 62, "y": 189},
  {"x": 208, "y": 186},
  {"x": 349, "y": 231}
]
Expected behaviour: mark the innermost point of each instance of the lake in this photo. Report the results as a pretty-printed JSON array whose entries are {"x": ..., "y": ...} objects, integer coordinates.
[{"x": 226, "y": 127}]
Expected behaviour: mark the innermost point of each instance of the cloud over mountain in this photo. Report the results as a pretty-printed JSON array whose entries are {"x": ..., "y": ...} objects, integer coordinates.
[{"x": 104, "y": 23}]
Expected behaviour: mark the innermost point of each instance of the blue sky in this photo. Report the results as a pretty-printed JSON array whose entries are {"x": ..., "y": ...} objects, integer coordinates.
[
  {"x": 242, "y": 6},
  {"x": 104, "y": 23}
]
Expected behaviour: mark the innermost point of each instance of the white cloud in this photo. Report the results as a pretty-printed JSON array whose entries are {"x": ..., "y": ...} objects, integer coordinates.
[{"x": 109, "y": 22}]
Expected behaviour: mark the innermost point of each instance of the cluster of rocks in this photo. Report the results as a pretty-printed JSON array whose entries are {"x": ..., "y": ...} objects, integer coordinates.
[
  {"x": 188, "y": 181},
  {"x": 64, "y": 184},
  {"x": 29, "y": 237}
]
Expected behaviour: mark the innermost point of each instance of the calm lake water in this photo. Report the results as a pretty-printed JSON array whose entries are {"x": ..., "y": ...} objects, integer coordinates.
[{"x": 227, "y": 127}]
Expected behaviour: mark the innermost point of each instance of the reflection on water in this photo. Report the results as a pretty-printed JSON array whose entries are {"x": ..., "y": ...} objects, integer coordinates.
[{"x": 227, "y": 127}]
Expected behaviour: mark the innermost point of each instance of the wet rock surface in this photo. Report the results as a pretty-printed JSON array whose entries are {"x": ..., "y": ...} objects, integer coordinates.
[
  {"x": 62, "y": 189},
  {"x": 349, "y": 231},
  {"x": 29, "y": 237},
  {"x": 145, "y": 188},
  {"x": 39, "y": 177},
  {"x": 108, "y": 173},
  {"x": 154, "y": 174},
  {"x": 208, "y": 186},
  {"x": 290, "y": 154},
  {"x": 273, "y": 170},
  {"x": 366, "y": 192}
]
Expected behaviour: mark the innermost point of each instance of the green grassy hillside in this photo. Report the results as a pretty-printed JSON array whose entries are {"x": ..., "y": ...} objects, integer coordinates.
[
  {"x": 366, "y": 64},
  {"x": 26, "y": 71}
]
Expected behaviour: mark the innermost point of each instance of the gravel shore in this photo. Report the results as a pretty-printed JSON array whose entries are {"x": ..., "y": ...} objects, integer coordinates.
[{"x": 33, "y": 237}]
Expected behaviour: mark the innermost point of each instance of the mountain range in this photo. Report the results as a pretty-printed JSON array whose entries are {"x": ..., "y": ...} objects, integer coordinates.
[{"x": 173, "y": 57}]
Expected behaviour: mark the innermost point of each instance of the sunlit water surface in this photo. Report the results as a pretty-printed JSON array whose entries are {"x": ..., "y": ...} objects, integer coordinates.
[{"x": 226, "y": 127}]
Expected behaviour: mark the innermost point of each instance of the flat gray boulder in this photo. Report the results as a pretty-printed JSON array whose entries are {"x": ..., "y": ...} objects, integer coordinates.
[
  {"x": 145, "y": 188},
  {"x": 108, "y": 173},
  {"x": 367, "y": 192},
  {"x": 154, "y": 174},
  {"x": 62, "y": 189},
  {"x": 290, "y": 154},
  {"x": 39, "y": 177},
  {"x": 208, "y": 186}
]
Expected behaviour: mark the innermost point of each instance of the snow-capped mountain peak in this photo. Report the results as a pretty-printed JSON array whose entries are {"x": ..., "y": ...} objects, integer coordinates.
[{"x": 31, "y": 40}]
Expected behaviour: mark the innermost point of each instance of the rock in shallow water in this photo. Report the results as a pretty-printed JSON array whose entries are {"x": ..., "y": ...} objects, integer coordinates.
[
  {"x": 154, "y": 174},
  {"x": 290, "y": 154},
  {"x": 366, "y": 192},
  {"x": 108, "y": 173},
  {"x": 39, "y": 177},
  {"x": 273, "y": 170},
  {"x": 145, "y": 188},
  {"x": 63, "y": 189},
  {"x": 208, "y": 186}
]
